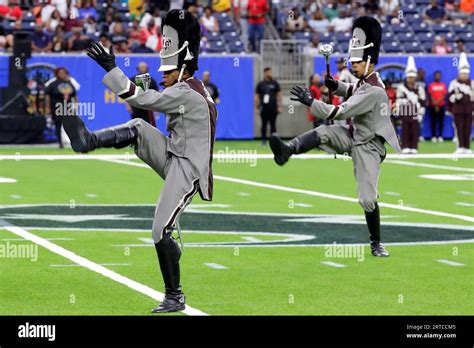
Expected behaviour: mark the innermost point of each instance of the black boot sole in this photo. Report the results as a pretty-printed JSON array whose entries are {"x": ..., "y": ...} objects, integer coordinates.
[
  {"x": 78, "y": 134},
  {"x": 169, "y": 309},
  {"x": 278, "y": 149}
]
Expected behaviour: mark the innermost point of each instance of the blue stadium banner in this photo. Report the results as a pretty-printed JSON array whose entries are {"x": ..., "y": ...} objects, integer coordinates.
[{"x": 233, "y": 75}]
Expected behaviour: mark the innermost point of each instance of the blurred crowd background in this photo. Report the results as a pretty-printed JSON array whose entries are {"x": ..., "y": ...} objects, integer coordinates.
[{"x": 237, "y": 26}]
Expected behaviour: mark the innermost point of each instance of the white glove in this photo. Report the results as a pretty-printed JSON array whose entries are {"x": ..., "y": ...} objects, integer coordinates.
[{"x": 419, "y": 118}]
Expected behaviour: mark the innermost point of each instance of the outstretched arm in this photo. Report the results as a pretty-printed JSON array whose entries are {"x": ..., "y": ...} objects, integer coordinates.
[
  {"x": 167, "y": 101},
  {"x": 358, "y": 104}
]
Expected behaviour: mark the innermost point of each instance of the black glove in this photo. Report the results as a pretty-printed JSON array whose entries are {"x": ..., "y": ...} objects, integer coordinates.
[
  {"x": 97, "y": 52},
  {"x": 302, "y": 95},
  {"x": 330, "y": 83}
]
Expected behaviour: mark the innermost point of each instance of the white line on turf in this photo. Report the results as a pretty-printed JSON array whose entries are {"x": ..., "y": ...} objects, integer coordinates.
[
  {"x": 7, "y": 180},
  {"x": 101, "y": 264},
  {"x": 143, "y": 289},
  {"x": 20, "y": 157},
  {"x": 215, "y": 265},
  {"x": 464, "y": 204},
  {"x": 333, "y": 264},
  {"x": 451, "y": 263},
  {"x": 317, "y": 194},
  {"x": 467, "y": 193},
  {"x": 252, "y": 239},
  {"x": 427, "y": 165},
  {"x": 12, "y": 239}
]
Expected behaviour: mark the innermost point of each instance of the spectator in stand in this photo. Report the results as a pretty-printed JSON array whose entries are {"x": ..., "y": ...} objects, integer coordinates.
[
  {"x": 61, "y": 6},
  {"x": 437, "y": 92},
  {"x": 319, "y": 23},
  {"x": 53, "y": 22},
  {"x": 90, "y": 26},
  {"x": 78, "y": 41},
  {"x": 242, "y": 20},
  {"x": 389, "y": 9},
  {"x": 210, "y": 87},
  {"x": 460, "y": 46},
  {"x": 343, "y": 23},
  {"x": 343, "y": 73},
  {"x": 466, "y": 6},
  {"x": 152, "y": 34},
  {"x": 44, "y": 11},
  {"x": 11, "y": 11},
  {"x": 104, "y": 40},
  {"x": 59, "y": 41},
  {"x": 313, "y": 48},
  {"x": 440, "y": 46},
  {"x": 142, "y": 48},
  {"x": 72, "y": 20},
  {"x": 134, "y": 34},
  {"x": 136, "y": 8},
  {"x": 257, "y": 11},
  {"x": 87, "y": 10},
  {"x": 372, "y": 7},
  {"x": 208, "y": 21},
  {"x": 154, "y": 14},
  {"x": 108, "y": 9},
  {"x": 119, "y": 38},
  {"x": 330, "y": 10},
  {"x": 40, "y": 41},
  {"x": 434, "y": 13},
  {"x": 314, "y": 89},
  {"x": 295, "y": 21}
]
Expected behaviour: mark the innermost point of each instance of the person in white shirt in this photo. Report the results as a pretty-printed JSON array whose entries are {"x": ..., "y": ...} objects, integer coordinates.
[{"x": 208, "y": 21}]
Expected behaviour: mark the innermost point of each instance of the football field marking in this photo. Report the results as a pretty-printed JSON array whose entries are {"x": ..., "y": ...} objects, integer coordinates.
[
  {"x": 101, "y": 264},
  {"x": 215, "y": 265},
  {"x": 7, "y": 180},
  {"x": 314, "y": 193},
  {"x": 143, "y": 289},
  {"x": 427, "y": 165},
  {"x": 451, "y": 263},
  {"x": 333, "y": 264}
]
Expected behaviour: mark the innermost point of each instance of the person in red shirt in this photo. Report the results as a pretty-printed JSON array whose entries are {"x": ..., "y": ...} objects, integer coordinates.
[
  {"x": 257, "y": 9},
  {"x": 314, "y": 83},
  {"x": 437, "y": 91}
]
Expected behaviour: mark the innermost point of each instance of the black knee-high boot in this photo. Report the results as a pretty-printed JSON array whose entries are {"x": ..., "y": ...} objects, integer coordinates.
[
  {"x": 301, "y": 144},
  {"x": 169, "y": 254},
  {"x": 82, "y": 140},
  {"x": 373, "y": 224}
]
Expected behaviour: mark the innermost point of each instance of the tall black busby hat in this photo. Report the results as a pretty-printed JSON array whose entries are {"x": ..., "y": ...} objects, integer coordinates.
[
  {"x": 181, "y": 39},
  {"x": 366, "y": 39}
]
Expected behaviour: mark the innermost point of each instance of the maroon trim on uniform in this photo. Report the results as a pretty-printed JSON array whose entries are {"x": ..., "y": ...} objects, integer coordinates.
[
  {"x": 131, "y": 91},
  {"x": 197, "y": 86},
  {"x": 349, "y": 91},
  {"x": 181, "y": 206},
  {"x": 332, "y": 115}
]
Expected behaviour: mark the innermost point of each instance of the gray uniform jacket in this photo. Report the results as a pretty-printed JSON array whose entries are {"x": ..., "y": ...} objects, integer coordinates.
[
  {"x": 368, "y": 105},
  {"x": 190, "y": 119}
]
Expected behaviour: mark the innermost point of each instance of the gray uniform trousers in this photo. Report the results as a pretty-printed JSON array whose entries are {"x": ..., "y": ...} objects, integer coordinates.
[
  {"x": 366, "y": 159},
  {"x": 181, "y": 177}
]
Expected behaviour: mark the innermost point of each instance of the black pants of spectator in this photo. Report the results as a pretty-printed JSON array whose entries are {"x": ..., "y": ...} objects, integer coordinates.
[
  {"x": 58, "y": 124},
  {"x": 410, "y": 132},
  {"x": 268, "y": 117},
  {"x": 464, "y": 128},
  {"x": 437, "y": 121}
]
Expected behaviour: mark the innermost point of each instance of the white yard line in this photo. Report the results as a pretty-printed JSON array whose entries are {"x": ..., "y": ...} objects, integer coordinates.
[
  {"x": 215, "y": 265},
  {"x": 143, "y": 289},
  {"x": 451, "y": 263},
  {"x": 101, "y": 264},
  {"x": 333, "y": 264},
  {"x": 464, "y": 204},
  {"x": 217, "y": 156},
  {"x": 17, "y": 239},
  {"x": 315, "y": 193},
  {"x": 427, "y": 165}
]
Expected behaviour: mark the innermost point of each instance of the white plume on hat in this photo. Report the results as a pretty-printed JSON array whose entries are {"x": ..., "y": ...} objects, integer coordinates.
[
  {"x": 411, "y": 70},
  {"x": 463, "y": 66}
]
